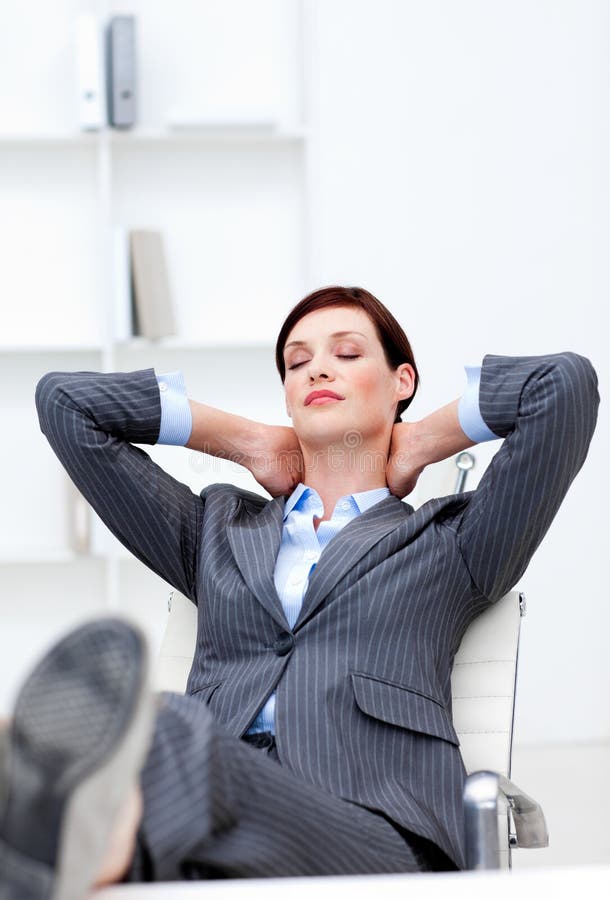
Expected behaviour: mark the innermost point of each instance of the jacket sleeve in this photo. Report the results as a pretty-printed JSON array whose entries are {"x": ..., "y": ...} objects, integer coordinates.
[
  {"x": 546, "y": 408},
  {"x": 91, "y": 421}
]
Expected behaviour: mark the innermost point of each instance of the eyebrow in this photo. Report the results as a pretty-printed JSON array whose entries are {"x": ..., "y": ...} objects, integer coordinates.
[{"x": 336, "y": 334}]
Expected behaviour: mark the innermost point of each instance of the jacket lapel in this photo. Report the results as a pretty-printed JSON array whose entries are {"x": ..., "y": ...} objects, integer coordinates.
[
  {"x": 255, "y": 539},
  {"x": 348, "y": 547}
]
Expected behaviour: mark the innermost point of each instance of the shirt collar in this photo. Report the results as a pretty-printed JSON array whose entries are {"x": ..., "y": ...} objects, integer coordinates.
[
  {"x": 294, "y": 498},
  {"x": 363, "y": 499}
]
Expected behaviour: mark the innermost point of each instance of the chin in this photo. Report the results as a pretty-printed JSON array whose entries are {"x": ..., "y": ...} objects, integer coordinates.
[
  {"x": 350, "y": 434},
  {"x": 321, "y": 432}
]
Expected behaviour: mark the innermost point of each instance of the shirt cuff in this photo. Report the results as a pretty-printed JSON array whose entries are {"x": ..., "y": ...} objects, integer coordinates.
[
  {"x": 469, "y": 414},
  {"x": 176, "y": 417}
]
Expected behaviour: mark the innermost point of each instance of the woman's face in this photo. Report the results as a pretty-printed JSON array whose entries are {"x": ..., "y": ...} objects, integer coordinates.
[{"x": 338, "y": 383}]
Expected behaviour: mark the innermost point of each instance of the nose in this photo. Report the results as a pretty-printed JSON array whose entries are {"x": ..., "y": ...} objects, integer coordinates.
[{"x": 319, "y": 370}]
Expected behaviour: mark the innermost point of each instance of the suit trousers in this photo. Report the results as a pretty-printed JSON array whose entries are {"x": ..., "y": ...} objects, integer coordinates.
[{"x": 217, "y": 807}]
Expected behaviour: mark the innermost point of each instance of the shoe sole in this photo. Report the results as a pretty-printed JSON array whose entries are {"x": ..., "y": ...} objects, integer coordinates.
[{"x": 81, "y": 728}]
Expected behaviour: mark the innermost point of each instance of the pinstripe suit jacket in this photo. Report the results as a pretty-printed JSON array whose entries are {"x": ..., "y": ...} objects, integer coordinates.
[{"x": 363, "y": 679}]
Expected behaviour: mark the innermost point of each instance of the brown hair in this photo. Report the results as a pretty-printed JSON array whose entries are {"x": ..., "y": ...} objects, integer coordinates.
[{"x": 394, "y": 341}]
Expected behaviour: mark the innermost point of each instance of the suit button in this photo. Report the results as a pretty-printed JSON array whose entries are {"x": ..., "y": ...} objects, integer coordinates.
[{"x": 283, "y": 643}]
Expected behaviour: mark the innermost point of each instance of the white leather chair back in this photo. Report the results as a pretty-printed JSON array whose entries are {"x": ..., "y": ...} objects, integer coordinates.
[
  {"x": 178, "y": 645},
  {"x": 482, "y": 683}
]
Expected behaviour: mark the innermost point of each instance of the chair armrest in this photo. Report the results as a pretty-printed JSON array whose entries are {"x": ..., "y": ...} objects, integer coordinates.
[{"x": 487, "y": 796}]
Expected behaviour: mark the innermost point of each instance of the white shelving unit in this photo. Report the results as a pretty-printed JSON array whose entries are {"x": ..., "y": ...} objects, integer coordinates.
[{"x": 218, "y": 162}]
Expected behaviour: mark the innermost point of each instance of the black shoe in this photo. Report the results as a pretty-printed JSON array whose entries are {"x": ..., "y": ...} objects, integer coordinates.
[{"x": 80, "y": 731}]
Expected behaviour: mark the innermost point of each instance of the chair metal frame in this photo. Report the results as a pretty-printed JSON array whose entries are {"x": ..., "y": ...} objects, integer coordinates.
[{"x": 488, "y": 798}]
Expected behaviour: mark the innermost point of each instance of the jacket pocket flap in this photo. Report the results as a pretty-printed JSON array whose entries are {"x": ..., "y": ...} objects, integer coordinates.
[
  {"x": 402, "y": 706},
  {"x": 206, "y": 690}
]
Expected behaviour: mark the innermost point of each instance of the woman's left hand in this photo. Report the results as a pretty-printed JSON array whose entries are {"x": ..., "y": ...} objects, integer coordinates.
[
  {"x": 414, "y": 445},
  {"x": 403, "y": 468}
]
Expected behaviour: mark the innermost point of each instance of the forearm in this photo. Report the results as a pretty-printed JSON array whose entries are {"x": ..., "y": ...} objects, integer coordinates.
[
  {"x": 223, "y": 434},
  {"x": 270, "y": 452},
  {"x": 438, "y": 436}
]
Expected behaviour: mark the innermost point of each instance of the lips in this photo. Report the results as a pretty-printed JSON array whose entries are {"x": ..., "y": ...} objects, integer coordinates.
[{"x": 319, "y": 395}]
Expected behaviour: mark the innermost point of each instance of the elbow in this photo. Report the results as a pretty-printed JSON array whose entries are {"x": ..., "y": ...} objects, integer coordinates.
[
  {"x": 579, "y": 377},
  {"x": 578, "y": 393},
  {"x": 48, "y": 390},
  {"x": 581, "y": 366}
]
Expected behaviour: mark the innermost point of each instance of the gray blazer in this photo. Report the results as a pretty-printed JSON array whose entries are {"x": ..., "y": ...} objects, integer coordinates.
[{"x": 363, "y": 679}]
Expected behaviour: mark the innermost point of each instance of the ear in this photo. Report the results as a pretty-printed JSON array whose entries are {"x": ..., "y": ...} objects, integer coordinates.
[{"x": 405, "y": 375}]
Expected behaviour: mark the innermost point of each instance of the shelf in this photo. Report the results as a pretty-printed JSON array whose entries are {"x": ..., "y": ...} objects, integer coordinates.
[
  {"x": 204, "y": 132},
  {"x": 30, "y": 557},
  {"x": 137, "y": 346},
  {"x": 176, "y": 343},
  {"x": 75, "y": 138},
  {"x": 237, "y": 131},
  {"x": 50, "y": 348}
]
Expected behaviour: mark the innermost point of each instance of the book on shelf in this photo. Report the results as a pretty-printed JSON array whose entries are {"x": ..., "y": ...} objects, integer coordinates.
[
  {"x": 121, "y": 71},
  {"x": 90, "y": 77},
  {"x": 154, "y": 313},
  {"x": 105, "y": 71},
  {"x": 122, "y": 294}
]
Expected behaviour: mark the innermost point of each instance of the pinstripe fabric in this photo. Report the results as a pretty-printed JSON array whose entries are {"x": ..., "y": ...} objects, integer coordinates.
[
  {"x": 236, "y": 813},
  {"x": 88, "y": 419},
  {"x": 363, "y": 705}
]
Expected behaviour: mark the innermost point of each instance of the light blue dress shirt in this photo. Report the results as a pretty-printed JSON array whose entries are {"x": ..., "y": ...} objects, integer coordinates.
[
  {"x": 176, "y": 416},
  {"x": 469, "y": 414},
  {"x": 301, "y": 545}
]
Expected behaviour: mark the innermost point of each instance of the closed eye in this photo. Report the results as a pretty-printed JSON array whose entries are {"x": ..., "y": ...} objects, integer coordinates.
[{"x": 339, "y": 356}]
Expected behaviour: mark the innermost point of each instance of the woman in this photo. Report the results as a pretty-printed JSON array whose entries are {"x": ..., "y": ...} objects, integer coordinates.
[{"x": 328, "y": 617}]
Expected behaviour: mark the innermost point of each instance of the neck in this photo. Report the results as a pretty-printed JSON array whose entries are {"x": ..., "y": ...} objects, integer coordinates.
[{"x": 338, "y": 470}]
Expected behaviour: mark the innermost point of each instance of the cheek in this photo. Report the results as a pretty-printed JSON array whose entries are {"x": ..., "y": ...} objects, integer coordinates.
[
  {"x": 369, "y": 385},
  {"x": 289, "y": 397}
]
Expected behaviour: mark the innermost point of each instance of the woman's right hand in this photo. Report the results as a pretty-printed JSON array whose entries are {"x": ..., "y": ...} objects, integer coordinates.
[
  {"x": 271, "y": 452},
  {"x": 276, "y": 460}
]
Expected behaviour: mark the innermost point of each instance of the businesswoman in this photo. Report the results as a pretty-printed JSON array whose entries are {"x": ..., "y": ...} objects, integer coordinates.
[{"x": 316, "y": 734}]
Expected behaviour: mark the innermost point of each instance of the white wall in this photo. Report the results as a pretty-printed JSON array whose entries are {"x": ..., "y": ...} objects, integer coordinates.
[{"x": 461, "y": 174}]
